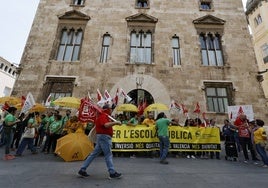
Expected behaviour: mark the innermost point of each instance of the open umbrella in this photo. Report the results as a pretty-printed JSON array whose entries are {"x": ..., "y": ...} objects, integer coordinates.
[
  {"x": 10, "y": 100},
  {"x": 38, "y": 108},
  {"x": 127, "y": 108},
  {"x": 71, "y": 102},
  {"x": 74, "y": 147},
  {"x": 156, "y": 107}
]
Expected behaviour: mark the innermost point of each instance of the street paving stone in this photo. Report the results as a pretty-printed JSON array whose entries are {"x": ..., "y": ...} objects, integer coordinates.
[{"x": 47, "y": 170}]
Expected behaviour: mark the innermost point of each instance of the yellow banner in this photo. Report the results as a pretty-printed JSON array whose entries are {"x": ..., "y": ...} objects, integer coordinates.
[{"x": 143, "y": 138}]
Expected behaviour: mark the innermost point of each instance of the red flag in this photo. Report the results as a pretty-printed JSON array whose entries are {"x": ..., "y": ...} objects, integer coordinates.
[
  {"x": 115, "y": 99},
  {"x": 177, "y": 105},
  {"x": 5, "y": 107},
  {"x": 107, "y": 96},
  {"x": 128, "y": 98},
  {"x": 99, "y": 96},
  {"x": 88, "y": 110},
  {"x": 197, "y": 108},
  {"x": 184, "y": 110},
  {"x": 142, "y": 105},
  {"x": 23, "y": 99}
]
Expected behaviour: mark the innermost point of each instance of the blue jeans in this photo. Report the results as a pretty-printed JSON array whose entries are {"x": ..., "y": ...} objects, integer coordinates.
[
  {"x": 8, "y": 137},
  {"x": 164, "y": 145},
  {"x": 104, "y": 144},
  {"x": 24, "y": 143},
  {"x": 261, "y": 150}
]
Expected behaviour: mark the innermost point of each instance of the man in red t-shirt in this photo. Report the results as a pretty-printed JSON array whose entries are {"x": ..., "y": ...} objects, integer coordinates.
[
  {"x": 104, "y": 131},
  {"x": 244, "y": 137}
]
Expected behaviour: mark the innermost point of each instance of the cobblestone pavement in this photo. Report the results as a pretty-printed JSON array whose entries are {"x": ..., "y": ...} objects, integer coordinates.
[{"x": 47, "y": 170}]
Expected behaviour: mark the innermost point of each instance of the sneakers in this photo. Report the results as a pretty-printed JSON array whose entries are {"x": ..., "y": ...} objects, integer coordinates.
[
  {"x": 164, "y": 162},
  {"x": 246, "y": 161},
  {"x": 192, "y": 156},
  {"x": 264, "y": 166},
  {"x": 188, "y": 157},
  {"x": 83, "y": 173},
  {"x": 115, "y": 176}
]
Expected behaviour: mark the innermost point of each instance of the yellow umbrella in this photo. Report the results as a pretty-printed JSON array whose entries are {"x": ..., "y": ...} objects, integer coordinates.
[
  {"x": 38, "y": 108},
  {"x": 127, "y": 108},
  {"x": 71, "y": 102},
  {"x": 18, "y": 106},
  {"x": 10, "y": 100},
  {"x": 156, "y": 107},
  {"x": 74, "y": 147}
]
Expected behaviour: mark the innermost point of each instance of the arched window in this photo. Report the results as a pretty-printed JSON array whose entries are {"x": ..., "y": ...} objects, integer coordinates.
[
  {"x": 78, "y": 2},
  {"x": 105, "y": 47},
  {"x": 176, "y": 50},
  {"x": 142, "y": 3}
]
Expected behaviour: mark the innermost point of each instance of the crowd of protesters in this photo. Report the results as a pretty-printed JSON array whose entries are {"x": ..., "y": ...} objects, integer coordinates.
[{"x": 49, "y": 127}]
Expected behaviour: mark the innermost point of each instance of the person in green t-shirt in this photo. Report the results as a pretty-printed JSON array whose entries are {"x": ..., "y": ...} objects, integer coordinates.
[
  {"x": 9, "y": 122},
  {"x": 133, "y": 120},
  {"x": 162, "y": 123},
  {"x": 54, "y": 132}
]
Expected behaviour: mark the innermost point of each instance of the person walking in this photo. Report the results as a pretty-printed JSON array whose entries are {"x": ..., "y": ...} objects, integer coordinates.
[
  {"x": 18, "y": 131},
  {"x": 260, "y": 140},
  {"x": 162, "y": 123},
  {"x": 27, "y": 140},
  {"x": 104, "y": 131},
  {"x": 244, "y": 137},
  {"x": 9, "y": 124}
]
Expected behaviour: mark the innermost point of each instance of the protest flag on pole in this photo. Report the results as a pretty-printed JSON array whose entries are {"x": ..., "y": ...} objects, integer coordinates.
[
  {"x": 115, "y": 99},
  {"x": 23, "y": 98},
  {"x": 128, "y": 98},
  {"x": 107, "y": 96},
  {"x": 48, "y": 101},
  {"x": 28, "y": 104},
  {"x": 5, "y": 107},
  {"x": 185, "y": 110},
  {"x": 197, "y": 108}
]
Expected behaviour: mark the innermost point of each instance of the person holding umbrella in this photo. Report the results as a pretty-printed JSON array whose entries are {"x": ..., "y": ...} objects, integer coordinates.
[{"x": 104, "y": 131}]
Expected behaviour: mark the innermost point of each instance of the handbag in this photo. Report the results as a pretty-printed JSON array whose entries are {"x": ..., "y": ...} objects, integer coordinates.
[{"x": 29, "y": 133}]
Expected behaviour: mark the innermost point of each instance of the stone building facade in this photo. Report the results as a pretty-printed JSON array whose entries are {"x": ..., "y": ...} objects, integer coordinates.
[
  {"x": 189, "y": 51},
  {"x": 257, "y": 16}
]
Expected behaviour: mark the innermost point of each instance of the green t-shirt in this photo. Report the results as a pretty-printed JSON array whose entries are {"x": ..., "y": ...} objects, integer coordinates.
[
  {"x": 162, "y": 126},
  {"x": 9, "y": 119},
  {"x": 30, "y": 121},
  {"x": 133, "y": 121},
  {"x": 55, "y": 127}
]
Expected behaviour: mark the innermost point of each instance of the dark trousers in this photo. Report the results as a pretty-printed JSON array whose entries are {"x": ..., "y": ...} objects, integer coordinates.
[{"x": 246, "y": 144}]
